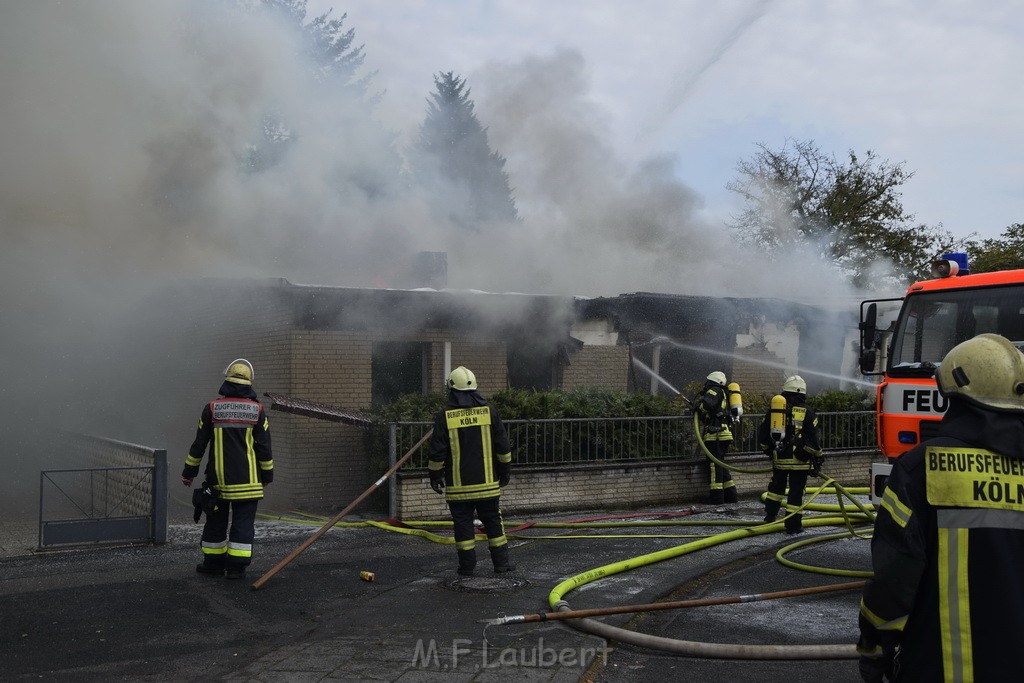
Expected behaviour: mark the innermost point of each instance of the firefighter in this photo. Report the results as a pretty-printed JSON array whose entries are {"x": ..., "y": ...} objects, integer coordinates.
[
  {"x": 788, "y": 434},
  {"x": 947, "y": 601},
  {"x": 719, "y": 407},
  {"x": 240, "y": 466},
  {"x": 470, "y": 462}
]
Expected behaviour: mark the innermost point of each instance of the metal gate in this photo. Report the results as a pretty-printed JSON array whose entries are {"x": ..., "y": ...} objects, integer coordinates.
[{"x": 105, "y": 504}]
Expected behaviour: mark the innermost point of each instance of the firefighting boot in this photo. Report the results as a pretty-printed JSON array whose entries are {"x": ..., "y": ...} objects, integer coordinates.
[
  {"x": 794, "y": 524},
  {"x": 211, "y": 566},
  {"x": 233, "y": 572},
  {"x": 716, "y": 497},
  {"x": 771, "y": 510},
  {"x": 467, "y": 562},
  {"x": 499, "y": 558},
  {"x": 731, "y": 496}
]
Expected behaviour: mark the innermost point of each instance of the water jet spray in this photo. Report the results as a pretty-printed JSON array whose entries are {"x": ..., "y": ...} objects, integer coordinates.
[
  {"x": 656, "y": 376},
  {"x": 766, "y": 363}
]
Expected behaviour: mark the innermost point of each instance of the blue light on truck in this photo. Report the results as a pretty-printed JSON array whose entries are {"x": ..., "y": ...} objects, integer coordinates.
[
  {"x": 907, "y": 437},
  {"x": 950, "y": 265}
]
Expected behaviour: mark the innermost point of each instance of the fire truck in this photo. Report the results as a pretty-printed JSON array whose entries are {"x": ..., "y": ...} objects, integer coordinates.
[{"x": 935, "y": 316}]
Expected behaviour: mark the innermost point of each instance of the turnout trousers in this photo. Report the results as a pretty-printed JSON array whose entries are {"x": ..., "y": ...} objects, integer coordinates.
[
  {"x": 722, "y": 489},
  {"x": 229, "y": 548},
  {"x": 489, "y": 512},
  {"x": 777, "y": 489}
]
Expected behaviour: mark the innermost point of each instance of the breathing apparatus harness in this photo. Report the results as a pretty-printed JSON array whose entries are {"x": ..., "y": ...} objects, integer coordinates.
[
  {"x": 786, "y": 430},
  {"x": 735, "y": 412}
]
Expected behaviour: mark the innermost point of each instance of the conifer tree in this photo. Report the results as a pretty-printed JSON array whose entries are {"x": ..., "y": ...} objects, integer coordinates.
[{"x": 453, "y": 161}]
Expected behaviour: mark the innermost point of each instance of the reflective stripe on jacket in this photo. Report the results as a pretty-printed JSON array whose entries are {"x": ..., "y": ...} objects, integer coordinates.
[
  {"x": 802, "y": 441},
  {"x": 713, "y": 409},
  {"x": 471, "y": 446},
  {"x": 947, "y": 550},
  {"x": 236, "y": 430}
]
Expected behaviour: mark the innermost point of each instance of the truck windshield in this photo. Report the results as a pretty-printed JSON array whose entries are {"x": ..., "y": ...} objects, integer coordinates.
[{"x": 931, "y": 323}]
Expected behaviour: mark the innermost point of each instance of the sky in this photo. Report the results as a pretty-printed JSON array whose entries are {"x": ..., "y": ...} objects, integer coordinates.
[{"x": 930, "y": 83}]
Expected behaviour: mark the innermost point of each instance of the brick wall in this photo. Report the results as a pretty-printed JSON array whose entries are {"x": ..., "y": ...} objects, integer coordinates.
[
  {"x": 600, "y": 367},
  {"x": 318, "y": 466},
  {"x": 323, "y": 465},
  {"x": 620, "y": 486},
  {"x": 487, "y": 360},
  {"x": 757, "y": 370},
  {"x": 331, "y": 367}
]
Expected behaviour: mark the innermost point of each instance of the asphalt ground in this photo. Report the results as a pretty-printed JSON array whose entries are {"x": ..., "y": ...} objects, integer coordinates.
[{"x": 142, "y": 613}]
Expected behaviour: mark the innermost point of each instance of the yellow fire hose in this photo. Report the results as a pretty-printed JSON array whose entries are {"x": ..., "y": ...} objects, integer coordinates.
[
  {"x": 580, "y": 618},
  {"x": 712, "y": 458},
  {"x": 675, "y": 604},
  {"x": 691, "y": 648},
  {"x": 828, "y": 480}
]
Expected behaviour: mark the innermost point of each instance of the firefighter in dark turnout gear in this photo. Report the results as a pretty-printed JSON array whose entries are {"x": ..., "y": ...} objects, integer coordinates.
[
  {"x": 718, "y": 407},
  {"x": 240, "y": 465},
  {"x": 788, "y": 434},
  {"x": 470, "y": 461},
  {"x": 946, "y": 602}
]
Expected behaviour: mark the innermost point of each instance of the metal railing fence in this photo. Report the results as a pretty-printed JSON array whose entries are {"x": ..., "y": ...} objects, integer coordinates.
[
  {"x": 125, "y": 502},
  {"x": 586, "y": 440}
]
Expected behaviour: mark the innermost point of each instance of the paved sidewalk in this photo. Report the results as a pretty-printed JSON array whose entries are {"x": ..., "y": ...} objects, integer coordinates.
[
  {"x": 18, "y": 538},
  {"x": 142, "y": 613}
]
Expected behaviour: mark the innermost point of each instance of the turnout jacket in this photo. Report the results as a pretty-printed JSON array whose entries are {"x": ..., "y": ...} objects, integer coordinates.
[
  {"x": 713, "y": 408},
  {"x": 470, "y": 448},
  {"x": 801, "y": 444},
  {"x": 237, "y": 433},
  {"x": 948, "y": 552}
]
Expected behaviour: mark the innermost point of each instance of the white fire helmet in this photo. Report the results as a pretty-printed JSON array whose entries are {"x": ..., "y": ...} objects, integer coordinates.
[
  {"x": 462, "y": 379},
  {"x": 795, "y": 384},
  {"x": 718, "y": 377}
]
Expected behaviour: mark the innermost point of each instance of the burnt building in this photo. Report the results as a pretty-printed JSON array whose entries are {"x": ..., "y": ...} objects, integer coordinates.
[{"x": 352, "y": 348}]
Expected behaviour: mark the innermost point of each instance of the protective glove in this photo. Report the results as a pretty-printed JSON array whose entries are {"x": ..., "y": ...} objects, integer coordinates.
[
  {"x": 204, "y": 500},
  {"x": 816, "y": 464},
  {"x": 437, "y": 481},
  {"x": 875, "y": 669},
  {"x": 504, "y": 479},
  {"x": 876, "y": 663}
]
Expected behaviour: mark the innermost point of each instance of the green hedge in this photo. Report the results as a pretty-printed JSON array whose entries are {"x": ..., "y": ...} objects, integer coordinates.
[
  {"x": 525, "y": 404},
  {"x": 585, "y": 442}
]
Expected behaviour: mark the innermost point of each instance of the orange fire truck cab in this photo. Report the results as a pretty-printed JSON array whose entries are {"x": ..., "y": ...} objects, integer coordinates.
[{"x": 935, "y": 316}]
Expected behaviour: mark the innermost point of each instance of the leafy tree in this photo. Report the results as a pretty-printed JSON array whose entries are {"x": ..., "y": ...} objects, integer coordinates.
[
  {"x": 1003, "y": 253},
  {"x": 850, "y": 210},
  {"x": 453, "y": 161}
]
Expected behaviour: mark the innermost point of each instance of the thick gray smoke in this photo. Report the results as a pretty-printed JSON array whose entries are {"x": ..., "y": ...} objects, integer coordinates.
[
  {"x": 127, "y": 133},
  {"x": 594, "y": 224}
]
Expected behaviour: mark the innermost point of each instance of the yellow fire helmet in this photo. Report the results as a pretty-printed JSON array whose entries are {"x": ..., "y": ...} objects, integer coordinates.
[
  {"x": 462, "y": 379},
  {"x": 239, "y": 371},
  {"x": 987, "y": 370}
]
